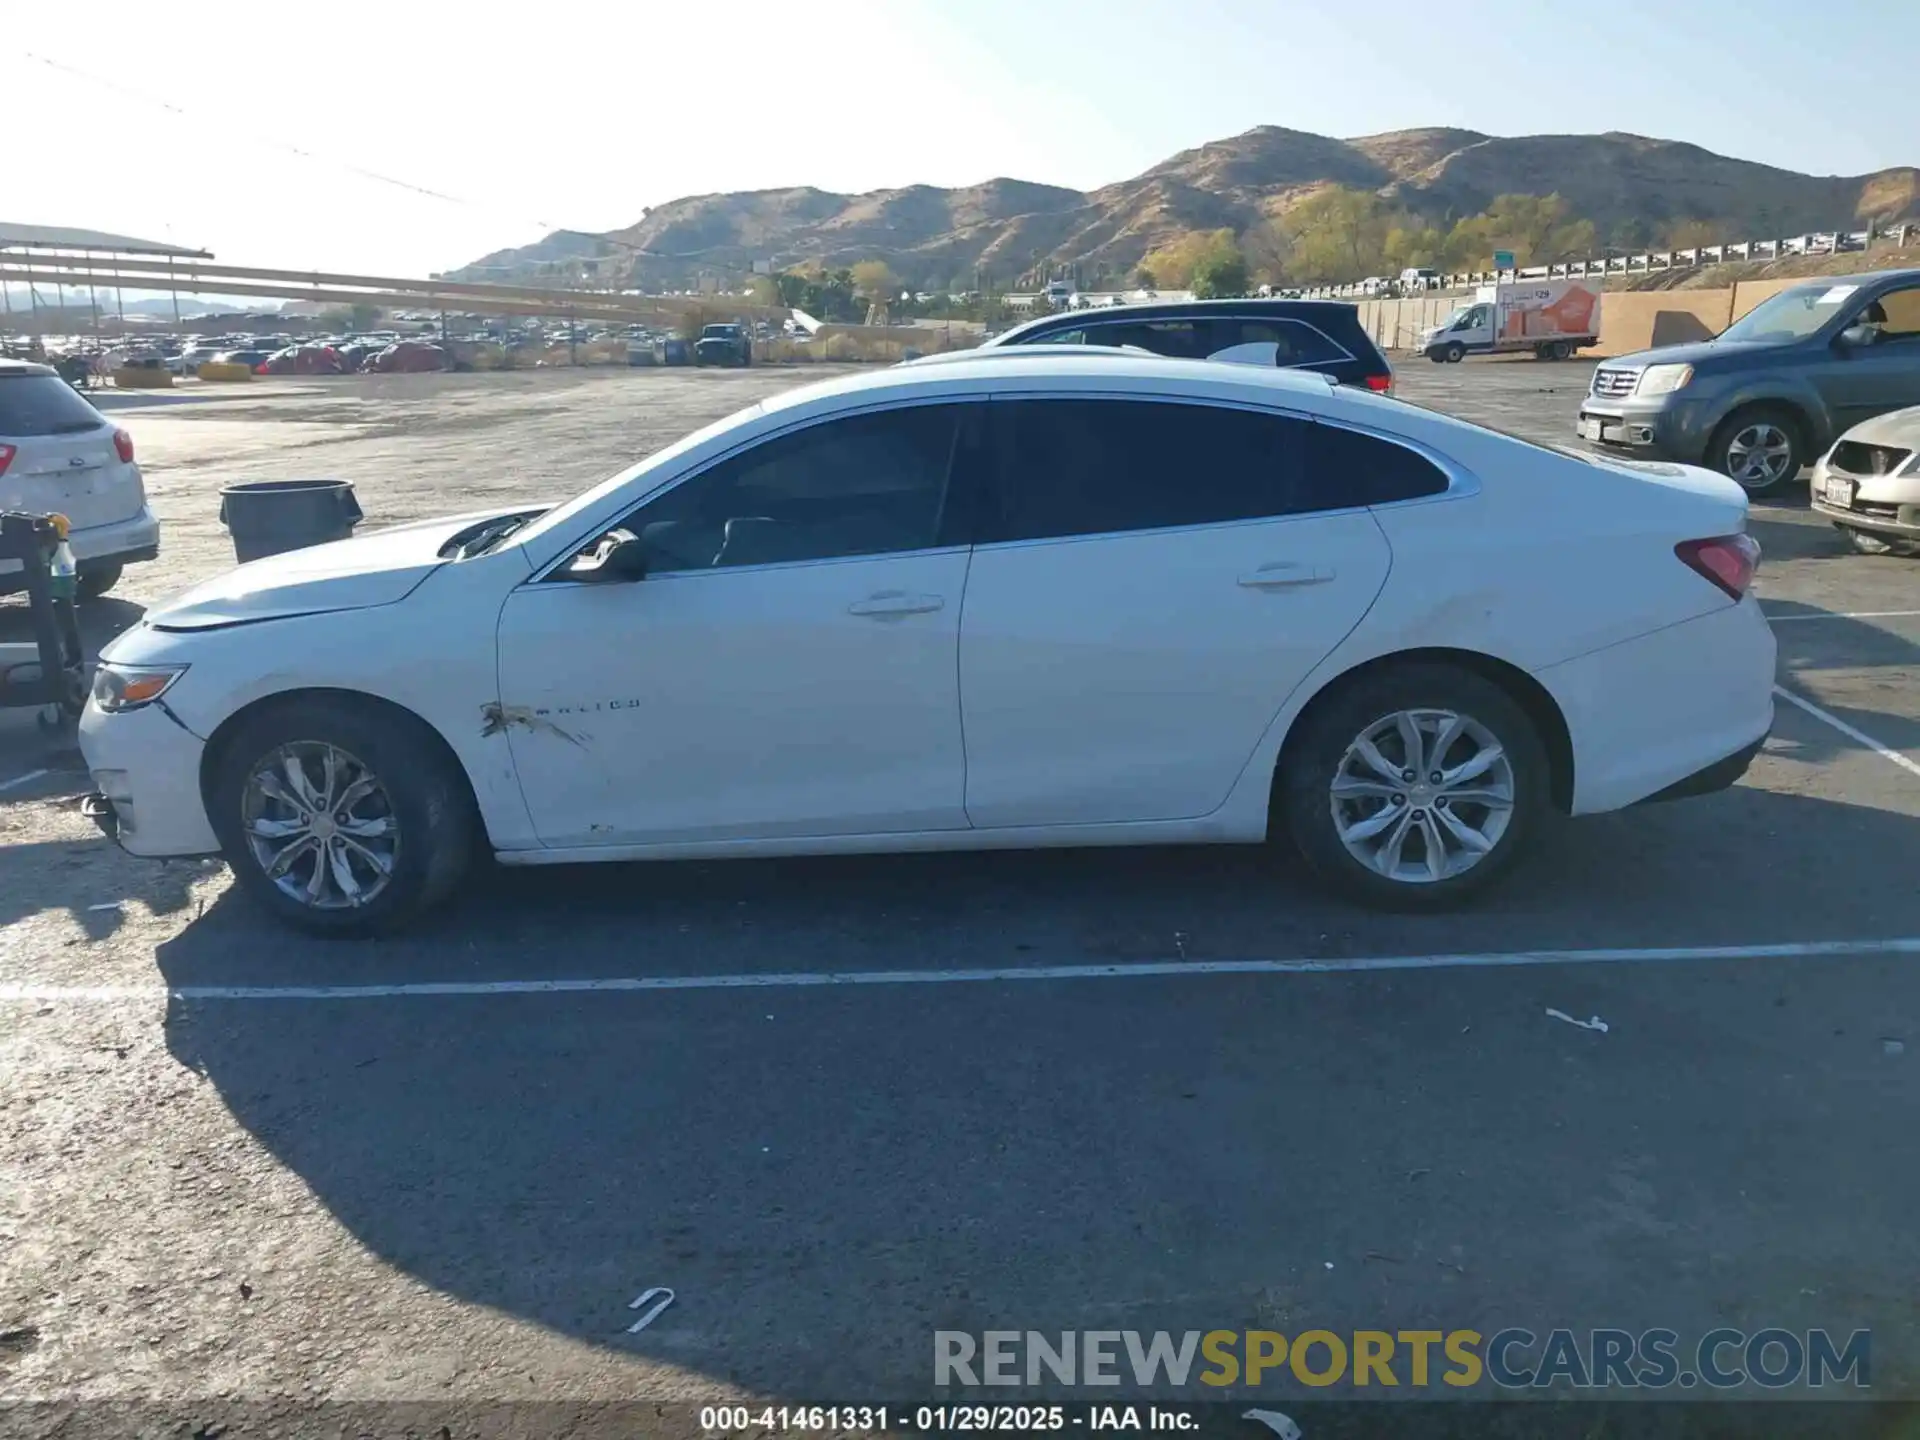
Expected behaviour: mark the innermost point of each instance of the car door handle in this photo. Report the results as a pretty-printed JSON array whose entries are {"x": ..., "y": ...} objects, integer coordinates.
[
  {"x": 1284, "y": 575},
  {"x": 889, "y": 603}
]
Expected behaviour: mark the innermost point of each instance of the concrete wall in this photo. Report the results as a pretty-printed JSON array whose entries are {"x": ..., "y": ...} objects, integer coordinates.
[{"x": 1629, "y": 319}]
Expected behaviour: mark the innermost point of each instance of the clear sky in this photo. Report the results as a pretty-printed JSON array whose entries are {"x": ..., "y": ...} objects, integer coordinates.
[{"x": 579, "y": 113}]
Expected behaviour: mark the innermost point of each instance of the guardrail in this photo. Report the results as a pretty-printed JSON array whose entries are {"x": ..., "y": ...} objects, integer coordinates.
[{"x": 1823, "y": 242}]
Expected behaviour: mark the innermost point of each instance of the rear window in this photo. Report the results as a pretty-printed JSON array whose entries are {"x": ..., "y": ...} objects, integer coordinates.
[{"x": 43, "y": 405}]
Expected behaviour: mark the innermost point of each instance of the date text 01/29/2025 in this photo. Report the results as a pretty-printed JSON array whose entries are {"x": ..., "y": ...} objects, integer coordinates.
[{"x": 942, "y": 1419}]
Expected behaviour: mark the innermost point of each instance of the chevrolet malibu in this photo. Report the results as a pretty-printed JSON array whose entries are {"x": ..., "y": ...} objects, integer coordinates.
[{"x": 1023, "y": 598}]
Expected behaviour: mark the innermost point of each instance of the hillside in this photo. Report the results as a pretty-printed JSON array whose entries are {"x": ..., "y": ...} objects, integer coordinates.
[{"x": 1634, "y": 189}]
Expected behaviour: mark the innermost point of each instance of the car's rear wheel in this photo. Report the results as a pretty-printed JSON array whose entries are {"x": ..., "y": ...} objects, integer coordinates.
[
  {"x": 1415, "y": 787},
  {"x": 97, "y": 580},
  {"x": 341, "y": 817},
  {"x": 1760, "y": 448}
]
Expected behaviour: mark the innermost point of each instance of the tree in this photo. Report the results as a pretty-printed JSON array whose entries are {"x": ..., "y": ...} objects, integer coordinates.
[
  {"x": 362, "y": 316},
  {"x": 1337, "y": 235},
  {"x": 1173, "y": 262},
  {"x": 1144, "y": 278},
  {"x": 1221, "y": 272},
  {"x": 875, "y": 282}
]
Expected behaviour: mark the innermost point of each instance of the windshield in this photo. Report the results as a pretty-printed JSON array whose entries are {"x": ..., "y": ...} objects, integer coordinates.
[
  {"x": 717, "y": 332},
  {"x": 1790, "y": 315},
  {"x": 1458, "y": 317}
]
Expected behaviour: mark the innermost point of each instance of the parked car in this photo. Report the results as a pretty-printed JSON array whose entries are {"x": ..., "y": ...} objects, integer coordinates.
[
  {"x": 304, "y": 360},
  {"x": 409, "y": 357},
  {"x": 252, "y": 359},
  {"x": 723, "y": 345},
  {"x": 1073, "y": 599},
  {"x": 60, "y": 455},
  {"x": 1319, "y": 335},
  {"x": 1775, "y": 388},
  {"x": 1868, "y": 484}
]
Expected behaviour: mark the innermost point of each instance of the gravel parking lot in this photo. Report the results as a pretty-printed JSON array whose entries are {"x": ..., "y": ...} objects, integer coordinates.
[{"x": 413, "y": 1194}]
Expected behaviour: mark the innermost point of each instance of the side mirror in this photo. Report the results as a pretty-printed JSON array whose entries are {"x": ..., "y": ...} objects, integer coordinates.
[
  {"x": 1854, "y": 337},
  {"x": 618, "y": 559}
]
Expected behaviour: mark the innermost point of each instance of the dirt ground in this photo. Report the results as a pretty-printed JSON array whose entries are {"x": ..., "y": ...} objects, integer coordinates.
[{"x": 398, "y": 1193}]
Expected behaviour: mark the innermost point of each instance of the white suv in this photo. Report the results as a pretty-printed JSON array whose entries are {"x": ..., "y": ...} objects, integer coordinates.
[{"x": 60, "y": 455}]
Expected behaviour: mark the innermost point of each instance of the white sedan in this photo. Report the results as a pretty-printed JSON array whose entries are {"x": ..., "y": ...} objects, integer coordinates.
[{"x": 1031, "y": 597}]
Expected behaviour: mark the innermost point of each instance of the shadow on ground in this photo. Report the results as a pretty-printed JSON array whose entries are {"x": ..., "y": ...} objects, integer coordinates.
[{"x": 826, "y": 1176}]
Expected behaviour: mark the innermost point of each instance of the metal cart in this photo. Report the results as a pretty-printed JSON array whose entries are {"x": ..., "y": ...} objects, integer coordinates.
[{"x": 49, "y": 671}]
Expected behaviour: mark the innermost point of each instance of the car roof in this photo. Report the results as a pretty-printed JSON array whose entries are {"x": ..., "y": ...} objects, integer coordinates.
[
  {"x": 9, "y": 366},
  {"x": 1066, "y": 366},
  {"x": 1177, "y": 309},
  {"x": 1865, "y": 277}
]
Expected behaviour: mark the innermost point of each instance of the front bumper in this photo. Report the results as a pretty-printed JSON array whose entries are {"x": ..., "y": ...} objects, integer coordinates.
[
  {"x": 1880, "y": 504},
  {"x": 1670, "y": 429},
  {"x": 146, "y": 769}
]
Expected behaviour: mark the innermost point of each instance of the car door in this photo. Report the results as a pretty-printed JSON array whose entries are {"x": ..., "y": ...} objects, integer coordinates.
[
  {"x": 1874, "y": 378},
  {"x": 1153, "y": 578},
  {"x": 787, "y": 666}
]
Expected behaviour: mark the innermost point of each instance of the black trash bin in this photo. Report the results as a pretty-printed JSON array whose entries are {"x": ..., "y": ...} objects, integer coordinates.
[{"x": 269, "y": 517}]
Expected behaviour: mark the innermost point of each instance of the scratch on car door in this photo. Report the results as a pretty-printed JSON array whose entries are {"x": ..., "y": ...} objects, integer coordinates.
[{"x": 497, "y": 719}]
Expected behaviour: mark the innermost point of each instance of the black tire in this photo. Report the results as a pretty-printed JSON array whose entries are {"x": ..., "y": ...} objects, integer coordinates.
[
  {"x": 1722, "y": 456},
  {"x": 1436, "y": 357},
  {"x": 97, "y": 580},
  {"x": 1455, "y": 353},
  {"x": 1868, "y": 543},
  {"x": 1560, "y": 350},
  {"x": 1316, "y": 755},
  {"x": 438, "y": 827}
]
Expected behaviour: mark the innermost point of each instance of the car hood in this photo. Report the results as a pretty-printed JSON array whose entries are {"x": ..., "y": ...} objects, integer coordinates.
[
  {"x": 378, "y": 568},
  {"x": 1693, "y": 354},
  {"x": 1898, "y": 428}
]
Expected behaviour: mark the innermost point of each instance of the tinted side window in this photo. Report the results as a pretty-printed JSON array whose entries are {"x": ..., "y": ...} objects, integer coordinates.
[
  {"x": 1181, "y": 339},
  {"x": 1294, "y": 343},
  {"x": 43, "y": 405},
  {"x": 1090, "y": 467},
  {"x": 1347, "y": 468},
  {"x": 872, "y": 484}
]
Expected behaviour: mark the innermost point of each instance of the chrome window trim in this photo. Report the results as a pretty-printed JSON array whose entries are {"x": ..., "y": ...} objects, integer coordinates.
[{"x": 1341, "y": 356}]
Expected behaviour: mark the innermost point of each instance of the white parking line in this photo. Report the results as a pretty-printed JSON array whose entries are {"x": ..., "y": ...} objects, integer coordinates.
[
  {"x": 19, "y": 780},
  {"x": 823, "y": 979},
  {"x": 1858, "y": 736},
  {"x": 1836, "y": 615}
]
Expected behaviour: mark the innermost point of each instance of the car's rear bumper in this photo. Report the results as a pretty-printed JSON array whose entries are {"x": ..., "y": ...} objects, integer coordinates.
[
  {"x": 1721, "y": 774},
  {"x": 122, "y": 542},
  {"x": 146, "y": 766},
  {"x": 1657, "y": 712}
]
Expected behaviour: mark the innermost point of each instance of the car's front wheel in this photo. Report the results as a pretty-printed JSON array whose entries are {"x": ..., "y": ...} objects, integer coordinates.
[
  {"x": 1414, "y": 787},
  {"x": 1760, "y": 448},
  {"x": 1454, "y": 353},
  {"x": 342, "y": 817}
]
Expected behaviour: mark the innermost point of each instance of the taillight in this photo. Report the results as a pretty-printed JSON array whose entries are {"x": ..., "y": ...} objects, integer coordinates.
[
  {"x": 1381, "y": 384},
  {"x": 1727, "y": 560},
  {"x": 7, "y": 452},
  {"x": 123, "y": 446}
]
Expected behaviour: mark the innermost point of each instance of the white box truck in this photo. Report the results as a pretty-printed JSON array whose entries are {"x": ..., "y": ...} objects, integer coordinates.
[{"x": 1552, "y": 318}]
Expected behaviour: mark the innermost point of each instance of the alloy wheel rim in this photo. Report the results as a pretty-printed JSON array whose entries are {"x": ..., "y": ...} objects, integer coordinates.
[
  {"x": 1759, "y": 455},
  {"x": 1422, "y": 796},
  {"x": 320, "y": 825}
]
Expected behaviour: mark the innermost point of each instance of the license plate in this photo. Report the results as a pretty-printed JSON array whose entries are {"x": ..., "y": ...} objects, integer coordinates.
[
  {"x": 1589, "y": 429},
  {"x": 1841, "y": 493}
]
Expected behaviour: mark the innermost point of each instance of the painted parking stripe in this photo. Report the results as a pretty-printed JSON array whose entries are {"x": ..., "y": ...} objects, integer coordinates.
[
  {"x": 1838, "y": 615},
  {"x": 1860, "y": 737},
  {"x": 828, "y": 979},
  {"x": 20, "y": 780}
]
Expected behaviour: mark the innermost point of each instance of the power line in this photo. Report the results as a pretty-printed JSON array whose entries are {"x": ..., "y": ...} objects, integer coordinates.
[{"x": 129, "y": 92}]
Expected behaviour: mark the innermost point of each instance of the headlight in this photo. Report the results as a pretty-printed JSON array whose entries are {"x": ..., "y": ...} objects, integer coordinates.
[
  {"x": 128, "y": 687},
  {"x": 1663, "y": 379}
]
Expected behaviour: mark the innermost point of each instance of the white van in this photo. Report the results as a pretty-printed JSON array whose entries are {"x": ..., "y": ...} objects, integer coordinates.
[{"x": 1414, "y": 278}]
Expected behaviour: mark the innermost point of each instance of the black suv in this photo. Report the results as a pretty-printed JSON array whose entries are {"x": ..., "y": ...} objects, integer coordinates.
[{"x": 1322, "y": 335}]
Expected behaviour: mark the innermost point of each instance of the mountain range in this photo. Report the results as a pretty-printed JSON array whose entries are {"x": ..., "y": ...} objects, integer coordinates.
[{"x": 1636, "y": 190}]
